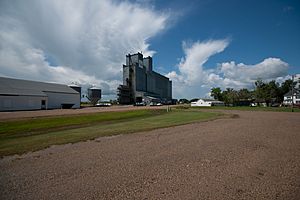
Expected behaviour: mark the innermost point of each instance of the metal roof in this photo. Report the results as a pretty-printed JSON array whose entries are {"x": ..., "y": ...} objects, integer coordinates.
[
  {"x": 210, "y": 100},
  {"x": 10, "y": 86},
  {"x": 74, "y": 85},
  {"x": 94, "y": 88},
  {"x": 289, "y": 93}
]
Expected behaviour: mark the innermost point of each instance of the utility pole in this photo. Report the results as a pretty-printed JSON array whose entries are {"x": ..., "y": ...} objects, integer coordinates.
[{"x": 292, "y": 93}]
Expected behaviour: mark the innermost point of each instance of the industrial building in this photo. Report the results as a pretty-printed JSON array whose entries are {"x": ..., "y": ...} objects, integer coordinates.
[
  {"x": 16, "y": 94},
  {"x": 141, "y": 83}
]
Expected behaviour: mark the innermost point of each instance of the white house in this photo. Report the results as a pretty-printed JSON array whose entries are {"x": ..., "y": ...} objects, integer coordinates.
[
  {"x": 207, "y": 103},
  {"x": 16, "y": 94},
  {"x": 288, "y": 97}
]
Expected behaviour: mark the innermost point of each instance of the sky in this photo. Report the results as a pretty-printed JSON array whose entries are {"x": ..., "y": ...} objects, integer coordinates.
[{"x": 198, "y": 44}]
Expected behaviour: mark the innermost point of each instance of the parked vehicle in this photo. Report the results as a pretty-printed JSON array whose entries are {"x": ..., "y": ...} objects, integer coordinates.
[
  {"x": 275, "y": 104},
  {"x": 140, "y": 103},
  {"x": 155, "y": 104},
  {"x": 103, "y": 104}
]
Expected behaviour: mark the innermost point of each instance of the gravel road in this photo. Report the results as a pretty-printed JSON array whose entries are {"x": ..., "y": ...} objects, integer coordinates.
[{"x": 255, "y": 156}]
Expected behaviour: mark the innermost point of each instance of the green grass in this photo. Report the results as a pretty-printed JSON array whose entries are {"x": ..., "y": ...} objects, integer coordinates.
[
  {"x": 245, "y": 108},
  {"x": 19, "y": 141},
  {"x": 37, "y": 125}
]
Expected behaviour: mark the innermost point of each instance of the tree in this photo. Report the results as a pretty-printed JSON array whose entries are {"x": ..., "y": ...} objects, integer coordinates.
[
  {"x": 273, "y": 91},
  {"x": 267, "y": 92},
  {"x": 260, "y": 91},
  {"x": 230, "y": 96},
  {"x": 285, "y": 88},
  {"x": 216, "y": 93},
  {"x": 244, "y": 94},
  {"x": 183, "y": 101}
]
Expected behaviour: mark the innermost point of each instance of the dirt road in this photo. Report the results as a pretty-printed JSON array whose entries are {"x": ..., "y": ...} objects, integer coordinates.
[{"x": 255, "y": 156}]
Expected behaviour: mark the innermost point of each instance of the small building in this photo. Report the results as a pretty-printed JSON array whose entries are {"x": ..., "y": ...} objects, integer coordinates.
[
  {"x": 17, "y": 94},
  {"x": 288, "y": 98},
  {"x": 207, "y": 103}
]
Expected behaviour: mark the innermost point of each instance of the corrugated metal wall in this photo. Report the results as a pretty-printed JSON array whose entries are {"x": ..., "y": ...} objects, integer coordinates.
[
  {"x": 55, "y": 100},
  {"x": 11, "y": 103}
]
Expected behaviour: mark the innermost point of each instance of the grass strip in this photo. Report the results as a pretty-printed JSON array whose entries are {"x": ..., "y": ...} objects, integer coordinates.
[
  {"x": 243, "y": 108},
  {"x": 47, "y": 124},
  {"x": 23, "y": 144}
]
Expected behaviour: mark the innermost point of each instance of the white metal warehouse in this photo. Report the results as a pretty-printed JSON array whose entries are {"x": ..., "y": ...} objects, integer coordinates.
[{"x": 16, "y": 94}]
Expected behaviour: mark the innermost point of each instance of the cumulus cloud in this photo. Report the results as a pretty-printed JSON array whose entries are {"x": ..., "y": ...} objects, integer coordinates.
[
  {"x": 269, "y": 68},
  {"x": 83, "y": 41},
  {"x": 193, "y": 80}
]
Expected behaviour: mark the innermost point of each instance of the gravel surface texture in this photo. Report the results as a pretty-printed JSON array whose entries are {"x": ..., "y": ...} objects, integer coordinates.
[{"x": 253, "y": 156}]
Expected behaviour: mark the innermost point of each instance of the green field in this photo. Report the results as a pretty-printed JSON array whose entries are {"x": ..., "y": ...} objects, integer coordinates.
[
  {"x": 26, "y": 135},
  {"x": 245, "y": 108}
]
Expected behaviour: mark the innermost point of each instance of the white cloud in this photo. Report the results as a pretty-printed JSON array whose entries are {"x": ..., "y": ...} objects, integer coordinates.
[
  {"x": 269, "y": 68},
  {"x": 193, "y": 80},
  {"x": 196, "y": 55},
  {"x": 83, "y": 41}
]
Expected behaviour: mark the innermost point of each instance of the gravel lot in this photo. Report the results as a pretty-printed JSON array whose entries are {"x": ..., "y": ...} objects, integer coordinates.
[{"x": 255, "y": 156}]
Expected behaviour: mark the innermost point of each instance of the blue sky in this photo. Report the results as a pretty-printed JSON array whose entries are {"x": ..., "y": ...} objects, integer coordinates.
[
  {"x": 198, "y": 44},
  {"x": 257, "y": 29}
]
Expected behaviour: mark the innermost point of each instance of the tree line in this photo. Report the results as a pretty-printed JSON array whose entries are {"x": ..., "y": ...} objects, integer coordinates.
[{"x": 264, "y": 92}]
